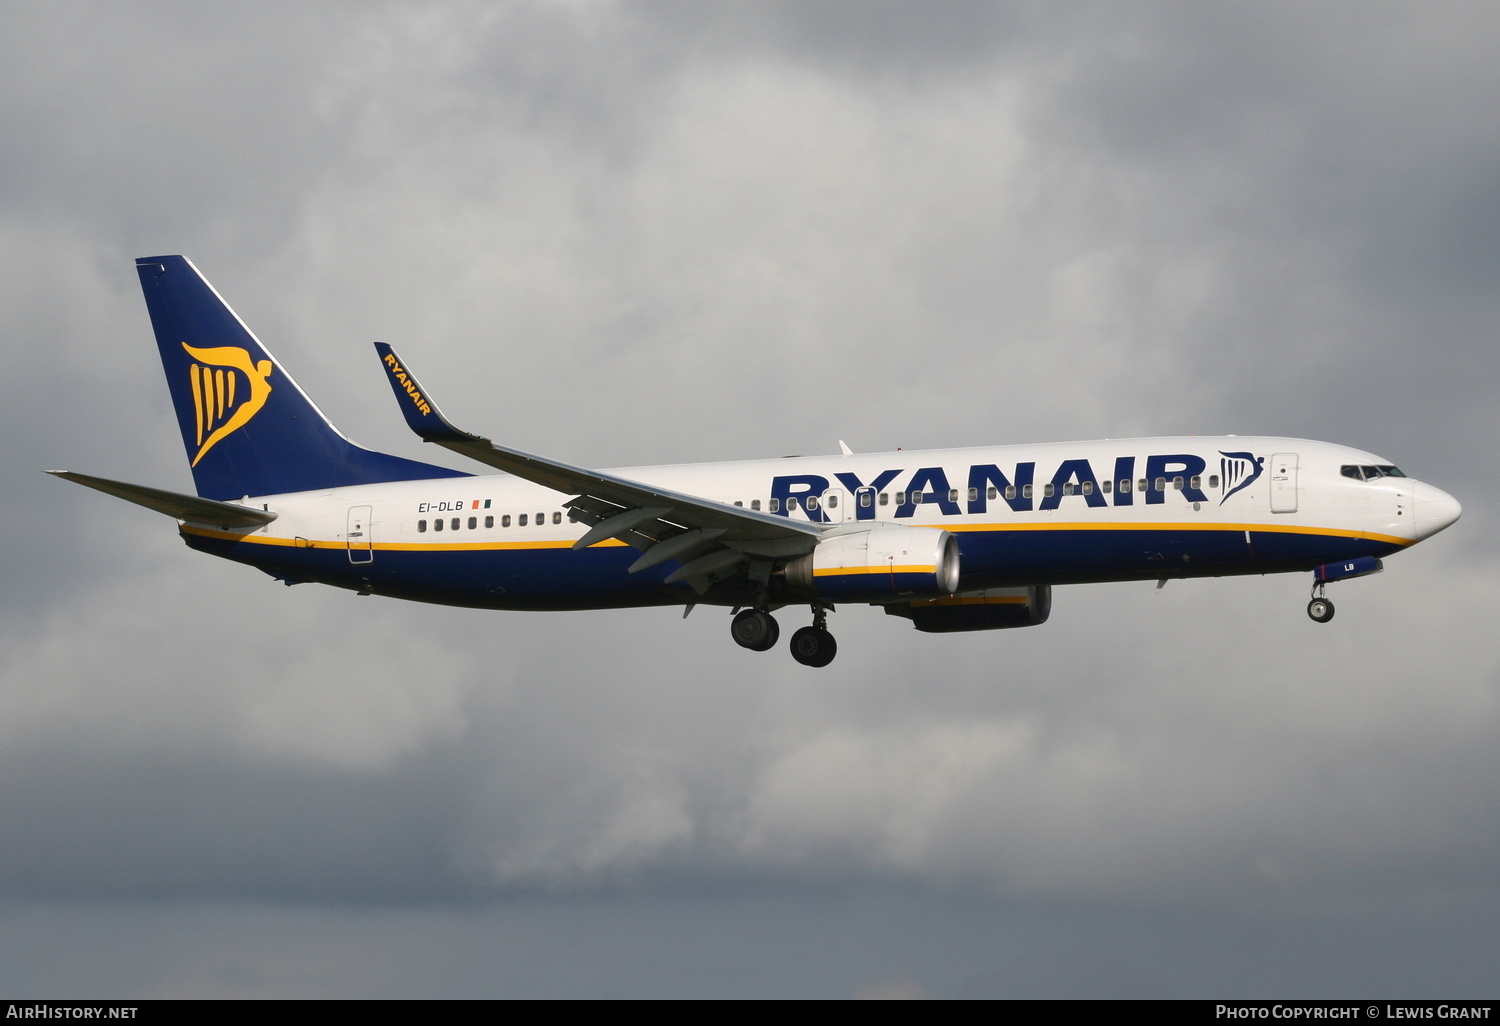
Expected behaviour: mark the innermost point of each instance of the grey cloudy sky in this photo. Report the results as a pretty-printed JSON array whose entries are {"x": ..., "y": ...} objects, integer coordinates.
[{"x": 658, "y": 232}]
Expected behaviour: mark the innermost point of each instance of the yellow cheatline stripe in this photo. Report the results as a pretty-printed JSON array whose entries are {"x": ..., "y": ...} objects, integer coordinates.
[
  {"x": 324, "y": 543},
  {"x": 467, "y": 546},
  {"x": 853, "y": 571},
  {"x": 1327, "y": 532},
  {"x": 1330, "y": 532}
]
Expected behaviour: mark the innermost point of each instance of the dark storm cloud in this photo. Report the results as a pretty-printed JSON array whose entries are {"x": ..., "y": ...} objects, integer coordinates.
[{"x": 628, "y": 233}]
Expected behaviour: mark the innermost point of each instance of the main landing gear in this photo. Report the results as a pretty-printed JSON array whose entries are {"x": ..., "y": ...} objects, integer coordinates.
[
  {"x": 756, "y": 629},
  {"x": 814, "y": 646},
  {"x": 1320, "y": 609}
]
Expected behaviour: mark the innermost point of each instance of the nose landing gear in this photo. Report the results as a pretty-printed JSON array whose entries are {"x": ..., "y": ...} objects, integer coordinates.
[{"x": 1320, "y": 609}]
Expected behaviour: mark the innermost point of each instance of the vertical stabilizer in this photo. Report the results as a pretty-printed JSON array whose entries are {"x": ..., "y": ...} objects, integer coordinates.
[{"x": 247, "y": 427}]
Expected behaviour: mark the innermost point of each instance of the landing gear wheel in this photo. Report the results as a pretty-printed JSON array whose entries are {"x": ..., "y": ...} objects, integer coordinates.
[
  {"x": 814, "y": 646},
  {"x": 1320, "y": 609},
  {"x": 755, "y": 630}
]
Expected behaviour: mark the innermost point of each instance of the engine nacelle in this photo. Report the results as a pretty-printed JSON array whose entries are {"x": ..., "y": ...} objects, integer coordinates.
[
  {"x": 989, "y": 610},
  {"x": 874, "y": 565}
]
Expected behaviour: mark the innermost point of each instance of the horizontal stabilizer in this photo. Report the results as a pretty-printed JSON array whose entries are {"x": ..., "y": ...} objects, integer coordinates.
[{"x": 174, "y": 504}]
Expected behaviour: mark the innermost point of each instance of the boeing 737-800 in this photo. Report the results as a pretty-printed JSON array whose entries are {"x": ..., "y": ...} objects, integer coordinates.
[{"x": 952, "y": 540}]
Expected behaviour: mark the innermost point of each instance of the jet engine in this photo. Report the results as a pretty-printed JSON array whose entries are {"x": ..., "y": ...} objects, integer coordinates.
[
  {"x": 878, "y": 564},
  {"x": 988, "y": 610}
]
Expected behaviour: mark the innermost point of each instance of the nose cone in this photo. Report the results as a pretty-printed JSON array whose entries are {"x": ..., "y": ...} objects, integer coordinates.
[{"x": 1435, "y": 509}]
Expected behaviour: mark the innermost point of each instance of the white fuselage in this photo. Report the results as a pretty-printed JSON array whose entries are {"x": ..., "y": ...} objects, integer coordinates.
[{"x": 1055, "y": 512}]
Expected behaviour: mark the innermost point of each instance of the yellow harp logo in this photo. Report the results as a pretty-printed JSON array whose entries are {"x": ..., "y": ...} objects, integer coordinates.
[{"x": 216, "y": 385}]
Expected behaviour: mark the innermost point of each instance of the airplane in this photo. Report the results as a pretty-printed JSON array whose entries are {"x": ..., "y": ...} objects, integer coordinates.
[{"x": 951, "y": 540}]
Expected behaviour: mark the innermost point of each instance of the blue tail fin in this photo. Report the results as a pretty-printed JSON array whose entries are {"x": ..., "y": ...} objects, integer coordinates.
[{"x": 248, "y": 428}]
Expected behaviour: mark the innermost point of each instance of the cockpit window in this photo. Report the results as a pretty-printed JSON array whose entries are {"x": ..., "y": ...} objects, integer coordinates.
[{"x": 1369, "y": 473}]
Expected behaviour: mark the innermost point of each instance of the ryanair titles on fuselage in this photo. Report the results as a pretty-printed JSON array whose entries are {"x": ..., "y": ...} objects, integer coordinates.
[
  {"x": 1022, "y": 489},
  {"x": 987, "y": 486}
]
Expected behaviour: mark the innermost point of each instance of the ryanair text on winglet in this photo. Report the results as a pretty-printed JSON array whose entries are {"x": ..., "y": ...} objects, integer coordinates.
[{"x": 399, "y": 373}]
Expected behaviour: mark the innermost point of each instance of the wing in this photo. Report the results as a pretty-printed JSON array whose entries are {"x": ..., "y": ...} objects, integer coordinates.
[{"x": 713, "y": 540}]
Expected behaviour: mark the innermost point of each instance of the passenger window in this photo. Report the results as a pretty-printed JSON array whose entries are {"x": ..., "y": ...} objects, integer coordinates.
[
  {"x": 473, "y": 523},
  {"x": 1141, "y": 485},
  {"x": 833, "y": 502},
  {"x": 885, "y": 498},
  {"x": 541, "y": 519},
  {"x": 437, "y": 525},
  {"x": 867, "y": 499},
  {"x": 521, "y": 520},
  {"x": 1124, "y": 486},
  {"x": 812, "y": 502},
  {"x": 1068, "y": 488},
  {"x": 1010, "y": 491},
  {"x": 737, "y": 502},
  {"x": 1177, "y": 483},
  {"x": 1161, "y": 484},
  {"x": 1104, "y": 486},
  {"x": 1026, "y": 491},
  {"x": 489, "y": 522},
  {"x": 557, "y": 518},
  {"x": 974, "y": 495},
  {"x": 755, "y": 504},
  {"x": 791, "y": 503},
  {"x": 916, "y": 498},
  {"x": 421, "y": 527},
  {"x": 1049, "y": 490},
  {"x": 1197, "y": 482},
  {"x": 901, "y": 498},
  {"x": 1088, "y": 488},
  {"x": 993, "y": 494},
  {"x": 454, "y": 525},
  {"x": 953, "y": 494},
  {"x": 1213, "y": 480},
  {"x": 505, "y": 520},
  {"x": 774, "y": 506}
]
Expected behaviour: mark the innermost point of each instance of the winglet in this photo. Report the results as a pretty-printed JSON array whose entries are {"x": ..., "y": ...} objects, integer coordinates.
[{"x": 421, "y": 413}]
